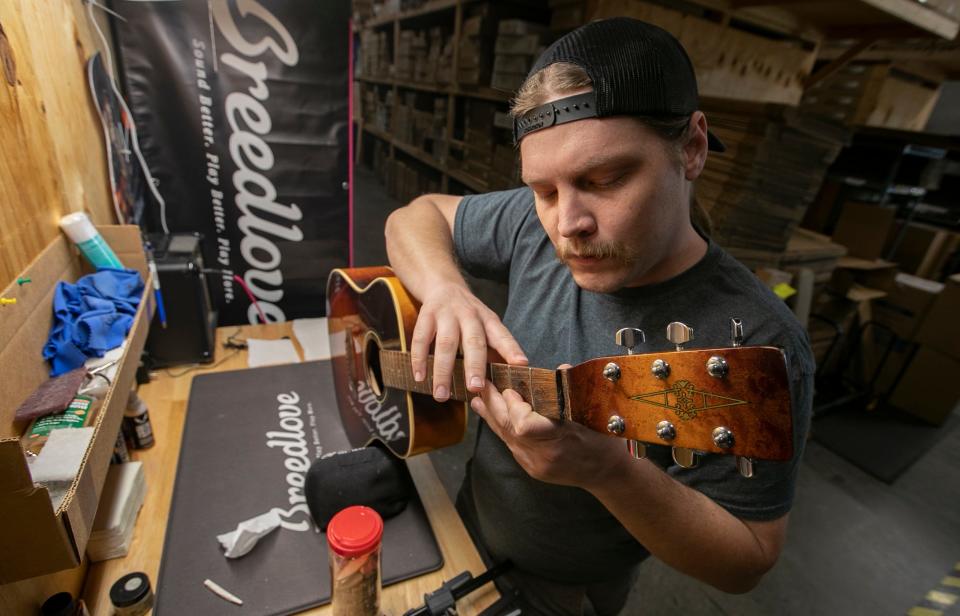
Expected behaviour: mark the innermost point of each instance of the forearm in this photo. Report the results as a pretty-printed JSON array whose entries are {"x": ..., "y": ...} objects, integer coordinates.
[
  {"x": 420, "y": 247},
  {"x": 684, "y": 528}
]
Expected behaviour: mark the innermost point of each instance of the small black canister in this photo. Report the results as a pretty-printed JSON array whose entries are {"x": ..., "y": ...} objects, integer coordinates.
[
  {"x": 63, "y": 604},
  {"x": 131, "y": 595}
]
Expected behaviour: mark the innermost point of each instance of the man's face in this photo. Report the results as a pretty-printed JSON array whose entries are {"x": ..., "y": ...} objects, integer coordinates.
[{"x": 611, "y": 195}]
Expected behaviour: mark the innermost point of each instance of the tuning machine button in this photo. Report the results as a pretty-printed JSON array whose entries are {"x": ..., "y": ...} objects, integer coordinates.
[
  {"x": 723, "y": 437},
  {"x": 687, "y": 458},
  {"x": 736, "y": 332},
  {"x": 745, "y": 466},
  {"x": 616, "y": 425},
  {"x": 717, "y": 367},
  {"x": 637, "y": 449},
  {"x": 666, "y": 430},
  {"x": 629, "y": 337},
  {"x": 611, "y": 372},
  {"x": 660, "y": 369},
  {"x": 679, "y": 334}
]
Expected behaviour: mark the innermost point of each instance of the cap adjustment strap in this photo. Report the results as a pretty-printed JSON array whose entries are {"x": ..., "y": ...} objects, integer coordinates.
[{"x": 561, "y": 111}]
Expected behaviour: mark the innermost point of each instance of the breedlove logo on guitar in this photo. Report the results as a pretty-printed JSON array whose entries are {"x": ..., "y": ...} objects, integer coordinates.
[{"x": 732, "y": 400}]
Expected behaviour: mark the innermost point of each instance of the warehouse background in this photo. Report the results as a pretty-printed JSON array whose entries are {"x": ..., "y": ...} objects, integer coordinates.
[{"x": 840, "y": 188}]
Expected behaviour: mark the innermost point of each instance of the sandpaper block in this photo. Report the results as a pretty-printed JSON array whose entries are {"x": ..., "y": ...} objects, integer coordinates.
[{"x": 52, "y": 396}]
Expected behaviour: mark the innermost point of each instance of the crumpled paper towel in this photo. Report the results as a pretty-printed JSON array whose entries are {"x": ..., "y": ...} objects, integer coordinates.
[{"x": 240, "y": 541}]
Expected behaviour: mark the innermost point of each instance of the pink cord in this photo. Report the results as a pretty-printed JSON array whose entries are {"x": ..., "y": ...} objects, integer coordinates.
[{"x": 253, "y": 299}]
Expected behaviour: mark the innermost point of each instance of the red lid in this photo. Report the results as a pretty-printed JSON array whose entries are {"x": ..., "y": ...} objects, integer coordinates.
[{"x": 354, "y": 531}]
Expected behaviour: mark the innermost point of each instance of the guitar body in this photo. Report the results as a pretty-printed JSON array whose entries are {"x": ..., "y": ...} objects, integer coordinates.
[{"x": 368, "y": 310}]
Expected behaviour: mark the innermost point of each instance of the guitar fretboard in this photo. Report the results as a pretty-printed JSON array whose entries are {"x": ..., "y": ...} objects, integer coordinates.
[{"x": 538, "y": 386}]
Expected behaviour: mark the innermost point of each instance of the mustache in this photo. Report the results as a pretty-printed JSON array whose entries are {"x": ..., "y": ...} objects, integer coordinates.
[{"x": 597, "y": 249}]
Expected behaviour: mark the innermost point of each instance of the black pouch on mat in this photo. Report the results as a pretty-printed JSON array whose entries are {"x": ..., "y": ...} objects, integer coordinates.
[{"x": 369, "y": 476}]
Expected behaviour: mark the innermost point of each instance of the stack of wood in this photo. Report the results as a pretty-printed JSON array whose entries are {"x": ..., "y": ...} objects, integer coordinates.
[
  {"x": 518, "y": 44},
  {"x": 875, "y": 94},
  {"x": 809, "y": 250},
  {"x": 759, "y": 189}
]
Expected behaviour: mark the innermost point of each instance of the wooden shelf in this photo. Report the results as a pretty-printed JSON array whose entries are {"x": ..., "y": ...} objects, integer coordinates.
[
  {"x": 435, "y": 6},
  {"x": 473, "y": 92},
  {"x": 852, "y": 19},
  {"x": 464, "y": 178}
]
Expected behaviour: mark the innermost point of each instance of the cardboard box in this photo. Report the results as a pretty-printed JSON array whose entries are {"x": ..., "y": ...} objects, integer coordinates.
[
  {"x": 35, "y": 539},
  {"x": 850, "y": 271},
  {"x": 922, "y": 249},
  {"x": 940, "y": 329},
  {"x": 929, "y": 388},
  {"x": 528, "y": 44},
  {"x": 863, "y": 228},
  {"x": 906, "y": 305}
]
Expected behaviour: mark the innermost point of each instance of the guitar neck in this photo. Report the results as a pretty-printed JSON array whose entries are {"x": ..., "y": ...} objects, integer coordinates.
[{"x": 540, "y": 387}]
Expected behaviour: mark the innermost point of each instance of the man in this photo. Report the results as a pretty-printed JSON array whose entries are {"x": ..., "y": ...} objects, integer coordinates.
[{"x": 600, "y": 238}]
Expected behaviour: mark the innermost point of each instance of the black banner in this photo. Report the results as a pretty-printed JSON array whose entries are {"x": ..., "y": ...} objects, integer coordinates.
[{"x": 242, "y": 112}]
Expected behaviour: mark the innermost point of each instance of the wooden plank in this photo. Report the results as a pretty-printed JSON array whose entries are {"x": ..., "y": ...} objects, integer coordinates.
[
  {"x": 51, "y": 150},
  {"x": 918, "y": 15},
  {"x": 836, "y": 18}
]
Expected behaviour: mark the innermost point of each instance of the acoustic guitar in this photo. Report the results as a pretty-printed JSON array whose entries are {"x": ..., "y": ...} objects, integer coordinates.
[{"x": 722, "y": 401}]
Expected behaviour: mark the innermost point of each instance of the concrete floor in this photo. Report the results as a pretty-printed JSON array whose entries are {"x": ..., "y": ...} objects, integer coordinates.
[{"x": 855, "y": 546}]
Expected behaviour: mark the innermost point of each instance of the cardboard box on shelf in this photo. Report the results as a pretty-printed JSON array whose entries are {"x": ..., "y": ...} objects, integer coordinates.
[
  {"x": 529, "y": 44},
  {"x": 940, "y": 328},
  {"x": 850, "y": 271},
  {"x": 35, "y": 539},
  {"x": 904, "y": 308},
  {"x": 929, "y": 388},
  {"x": 923, "y": 249},
  {"x": 863, "y": 228}
]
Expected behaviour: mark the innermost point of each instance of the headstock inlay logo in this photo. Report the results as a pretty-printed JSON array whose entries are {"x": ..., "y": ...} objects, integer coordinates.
[{"x": 686, "y": 400}]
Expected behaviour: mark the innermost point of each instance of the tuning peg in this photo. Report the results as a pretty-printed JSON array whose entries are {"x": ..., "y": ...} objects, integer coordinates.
[
  {"x": 637, "y": 449},
  {"x": 745, "y": 466},
  {"x": 679, "y": 334},
  {"x": 687, "y": 458},
  {"x": 630, "y": 337},
  {"x": 736, "y": 332}
]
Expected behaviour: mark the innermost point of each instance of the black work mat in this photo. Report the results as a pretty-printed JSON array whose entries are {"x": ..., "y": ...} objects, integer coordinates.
[
  {"x": 884, "y": 442},
  {"x": 238, "y": 460}
]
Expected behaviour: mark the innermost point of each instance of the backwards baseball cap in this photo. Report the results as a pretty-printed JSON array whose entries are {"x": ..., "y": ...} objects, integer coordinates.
[{"x": 636, "y": 69}]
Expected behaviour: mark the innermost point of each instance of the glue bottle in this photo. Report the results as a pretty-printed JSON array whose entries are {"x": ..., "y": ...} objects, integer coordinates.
[
  {"x": 136, "y": 423},
  {"x": 78, "y": 228}
]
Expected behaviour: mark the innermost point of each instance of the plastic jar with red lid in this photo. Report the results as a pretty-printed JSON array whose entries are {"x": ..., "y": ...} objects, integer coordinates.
[{"x": 353, "y": 542}]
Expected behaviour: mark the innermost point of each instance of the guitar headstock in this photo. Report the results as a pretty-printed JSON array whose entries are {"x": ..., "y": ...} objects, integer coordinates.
[{"x": 733, "y": 400}]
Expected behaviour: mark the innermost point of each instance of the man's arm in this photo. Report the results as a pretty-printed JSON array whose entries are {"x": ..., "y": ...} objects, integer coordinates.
[
  {"x": 420, "y": 247},
  {"x": 686, "y": 529},
  {"x": 680, "y": 526}
]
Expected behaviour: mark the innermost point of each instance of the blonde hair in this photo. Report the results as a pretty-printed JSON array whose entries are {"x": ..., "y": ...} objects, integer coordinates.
[
  {"x": 564, "y": 78},
  {"x": 553, "y": 81}
]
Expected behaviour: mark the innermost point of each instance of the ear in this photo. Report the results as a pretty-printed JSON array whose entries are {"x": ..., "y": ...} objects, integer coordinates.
[{"x": 695, "y": 149}]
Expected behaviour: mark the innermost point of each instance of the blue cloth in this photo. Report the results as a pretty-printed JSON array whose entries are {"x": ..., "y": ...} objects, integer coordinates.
[{"x": 91, "y": 317}]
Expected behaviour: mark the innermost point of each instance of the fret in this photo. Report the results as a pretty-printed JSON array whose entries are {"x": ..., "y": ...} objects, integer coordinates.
[{"x": 537, "y": 386}]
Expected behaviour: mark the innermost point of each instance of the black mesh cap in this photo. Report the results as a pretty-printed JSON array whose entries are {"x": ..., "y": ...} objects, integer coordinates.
[{"x": 636, "y": 69}]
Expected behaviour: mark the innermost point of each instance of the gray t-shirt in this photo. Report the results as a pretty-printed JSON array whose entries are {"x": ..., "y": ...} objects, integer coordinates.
[{"x": 564, "y": 533}]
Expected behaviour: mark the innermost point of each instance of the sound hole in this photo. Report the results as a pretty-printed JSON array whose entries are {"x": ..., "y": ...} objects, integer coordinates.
[{"x": 371, "y": 362}]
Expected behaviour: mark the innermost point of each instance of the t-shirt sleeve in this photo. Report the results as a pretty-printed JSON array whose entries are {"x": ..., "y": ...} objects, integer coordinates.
[
  {"x": 769, "y": 494},
  {"x": 486, "y": 228}
]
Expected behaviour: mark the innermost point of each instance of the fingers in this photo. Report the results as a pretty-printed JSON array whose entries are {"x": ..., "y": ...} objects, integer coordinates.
[
  {"x": 510, "y": 417},
  {"x": 474, "y": 343},
  {"x": 423, "y": 333},
  {"x": 444, "y": 355},
  {"x": 490, "y": 405},
  {"x": 500, "y": 338},
  {"x": 564, "y": 366}
]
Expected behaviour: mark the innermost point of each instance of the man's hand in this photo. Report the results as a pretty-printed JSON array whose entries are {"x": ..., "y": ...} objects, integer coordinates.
[
  {"x": 453, "y": 317},
  {"x": 562, "y": 453}
]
